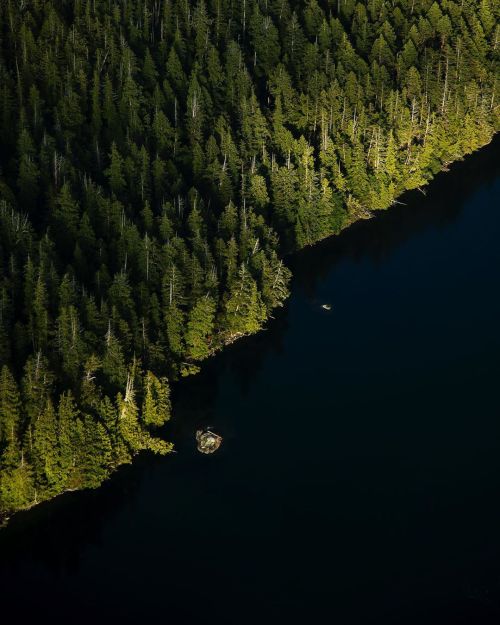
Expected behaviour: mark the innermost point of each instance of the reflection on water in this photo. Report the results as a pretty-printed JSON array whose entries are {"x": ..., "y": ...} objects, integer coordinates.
[{"x": 360, "y": 468}]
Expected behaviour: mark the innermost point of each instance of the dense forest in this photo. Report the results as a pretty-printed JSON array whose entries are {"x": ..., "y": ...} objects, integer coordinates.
[{"x": 157, "y": 160}]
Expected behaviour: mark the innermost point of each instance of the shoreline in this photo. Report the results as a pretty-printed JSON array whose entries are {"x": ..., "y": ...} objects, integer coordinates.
[{"x": 195, "y": 366}]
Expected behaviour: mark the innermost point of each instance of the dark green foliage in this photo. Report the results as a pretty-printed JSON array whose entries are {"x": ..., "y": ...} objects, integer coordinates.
[{"x": 157, "y": 160}]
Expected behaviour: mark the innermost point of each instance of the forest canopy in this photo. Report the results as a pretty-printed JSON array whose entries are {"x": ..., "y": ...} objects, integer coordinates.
[{"x": 157, "y": 160}]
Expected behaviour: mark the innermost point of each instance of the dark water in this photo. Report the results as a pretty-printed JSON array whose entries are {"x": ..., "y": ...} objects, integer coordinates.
[{"x": 359, "y": 479}]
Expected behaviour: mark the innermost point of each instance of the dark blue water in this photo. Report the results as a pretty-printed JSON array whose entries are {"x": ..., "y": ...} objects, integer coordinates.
[{"x": 359, "y": 478}]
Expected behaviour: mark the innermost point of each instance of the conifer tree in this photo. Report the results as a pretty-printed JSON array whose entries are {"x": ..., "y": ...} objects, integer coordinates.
[
  {"x": 156, "y": 404},
  {"x": 200, "y": 327},
  {"x": 244, "y": 309}
]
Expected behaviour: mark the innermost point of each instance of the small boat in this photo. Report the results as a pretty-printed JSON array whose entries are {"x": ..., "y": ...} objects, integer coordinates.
[
  {"x": 208, "y": 441},
  {"x": 326, "y": 306}
]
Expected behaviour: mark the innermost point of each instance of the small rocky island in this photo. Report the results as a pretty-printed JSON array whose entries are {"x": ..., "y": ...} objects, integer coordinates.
[{"x": 208, "y": 441}]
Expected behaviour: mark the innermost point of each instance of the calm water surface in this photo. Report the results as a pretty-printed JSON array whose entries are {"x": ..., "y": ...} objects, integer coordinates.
[{"x": 359, "y": 478}]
